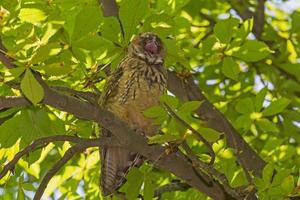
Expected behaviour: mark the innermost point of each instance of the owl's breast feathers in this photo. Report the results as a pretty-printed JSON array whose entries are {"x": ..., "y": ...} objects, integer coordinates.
[{"x": 132, "y": 88}]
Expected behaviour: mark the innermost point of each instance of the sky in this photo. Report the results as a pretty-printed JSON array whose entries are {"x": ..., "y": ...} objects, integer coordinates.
[{"x": 288, "y": 6}]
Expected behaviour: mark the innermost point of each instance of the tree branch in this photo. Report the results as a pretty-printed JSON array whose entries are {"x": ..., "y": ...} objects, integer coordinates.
[
  {"x": 12, "y": 101},
  {"x": 88, "y": 96},
  {"x": 5, "y": 59},
  {"x": 171, "y": 187}
]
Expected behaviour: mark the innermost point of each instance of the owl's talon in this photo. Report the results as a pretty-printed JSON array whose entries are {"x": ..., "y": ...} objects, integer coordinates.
[{"x": 171, "y": 148}]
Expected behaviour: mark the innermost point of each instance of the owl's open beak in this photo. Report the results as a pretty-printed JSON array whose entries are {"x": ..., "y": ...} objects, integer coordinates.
[{"x": 151, "y": 47}]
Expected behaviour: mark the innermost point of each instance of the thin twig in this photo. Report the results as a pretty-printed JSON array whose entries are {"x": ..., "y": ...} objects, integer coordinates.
[
  {"x": 88, "y": 96},
  {"x": 195, "y": 132},
  {"x": 46, "y": 140},
  {"x": 56, "y": 167},
  {"x": 171, "y": 187}
]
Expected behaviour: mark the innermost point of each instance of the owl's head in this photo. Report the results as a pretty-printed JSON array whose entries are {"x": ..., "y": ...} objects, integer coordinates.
[{"x": 148, "y": 47}]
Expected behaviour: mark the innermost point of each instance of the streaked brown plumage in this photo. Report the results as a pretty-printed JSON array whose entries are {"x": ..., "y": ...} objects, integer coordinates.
[{"x": 133, "y": 87}]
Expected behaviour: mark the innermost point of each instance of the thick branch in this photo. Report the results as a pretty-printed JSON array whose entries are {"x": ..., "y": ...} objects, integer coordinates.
[
  {"x": 12, "y": 101},
  {"x": 4, "y": 58}
]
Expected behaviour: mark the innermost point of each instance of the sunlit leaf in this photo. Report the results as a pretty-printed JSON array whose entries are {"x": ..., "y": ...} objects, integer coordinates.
[
  {"x": 224, "y": 29},
  {"x": 131, "y": 13},
  {"x": 230, "y": 68},
  {"x": 266, "y": 125},
  {"x": 32, "y": 15},
  {"x": 268, "y": 173},
  {"x": 245, "y": 106},
  {"x": 252, "y": 51},
  {"x": 276, "y": 107},
  {"x": 134, "y": 182},
  {"x": 259, "y": 99},
  {"x": 31, "y": 88}
]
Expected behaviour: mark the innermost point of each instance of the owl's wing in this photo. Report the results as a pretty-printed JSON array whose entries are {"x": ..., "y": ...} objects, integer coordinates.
[
  {"x": 111, "y": 86},
  {"x": 115, "y": 161}
]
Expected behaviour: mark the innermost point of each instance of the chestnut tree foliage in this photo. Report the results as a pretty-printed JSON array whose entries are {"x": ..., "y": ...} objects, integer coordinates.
[{"x": 229, "y": 123}]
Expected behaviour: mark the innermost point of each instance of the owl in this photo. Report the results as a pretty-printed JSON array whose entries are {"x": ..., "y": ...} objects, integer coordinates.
[{"x": 136, "y": 84}]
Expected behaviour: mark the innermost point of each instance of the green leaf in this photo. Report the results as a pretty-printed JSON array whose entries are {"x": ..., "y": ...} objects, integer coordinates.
[
  {"x": 245, "y": 106},
  {"x": 93, "y": 42},
  {"x": 295, "y": 21},
  {"x": 21, "y": 193},
  {"x": 31, "y": 87},
  {"x": 174, "y": 53},
  {"x": 161, "y": 139},
  {"x": 9, "y": 112},
  {"x": 171, "y": 101},
  {"x": 245, "y": 29},
  {"x": 260, "y": 98},
  {"x": 15, "y": 72},
  {"x": 87, "y": 22},
  {"x": 268, "y": 172},
  {"x": 276, "y": 107},
  {"x": 243, "y": 122},
  {"x": 252, "y": 51},
  {"x": 230, "y": 68},
  {"x": 156, "y": 112},
  {"x": 131, "y": 13},
  {"x": 189, "y": 107},
  {"x": 148, "y": 187},
  {"x": 209, "y": 134},
  {"x": 288, "y": 184},
  {"x": 266, "y": 125},
  {"x": 224, "y": 30},
  {"x": 46, "y": 51},
  {"x": 29, "y": 125},
  {"x": 134, "y": 181},
  {"x": 280, "y": 176},
  {"x": 111, "y": 29},
  {"x": 32, "y": 15},
  {"x": 55, "y": 69},
  {"x": 161, "y": 24},
  {"x": 291, "y": 68}
]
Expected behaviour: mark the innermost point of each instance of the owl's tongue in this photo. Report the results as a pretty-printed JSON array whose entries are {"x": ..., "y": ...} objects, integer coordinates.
[{"x": 151, "y": 47}]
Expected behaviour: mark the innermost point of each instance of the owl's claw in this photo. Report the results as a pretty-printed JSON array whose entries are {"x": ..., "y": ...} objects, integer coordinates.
[{"x": 171, "y": 148}]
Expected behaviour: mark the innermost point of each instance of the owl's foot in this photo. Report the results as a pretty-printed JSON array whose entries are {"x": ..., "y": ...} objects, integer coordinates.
[{"x": 171, "y": 148}]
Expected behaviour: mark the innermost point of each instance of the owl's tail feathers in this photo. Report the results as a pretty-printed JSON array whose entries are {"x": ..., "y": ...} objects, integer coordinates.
[{"x": 115, "y": 164}]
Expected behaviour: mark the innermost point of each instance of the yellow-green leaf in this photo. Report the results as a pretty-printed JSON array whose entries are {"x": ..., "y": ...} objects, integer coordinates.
[
  {"x": 32, "y": 15},
  {"x": 230, "y": 68},
  {"x": 276, "y": 107},
  {"x": 31, "y": 87}
]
